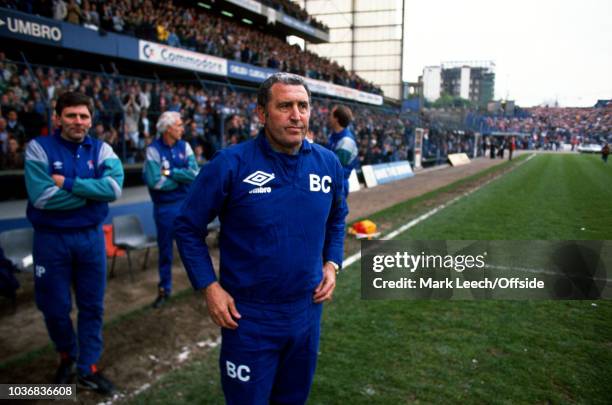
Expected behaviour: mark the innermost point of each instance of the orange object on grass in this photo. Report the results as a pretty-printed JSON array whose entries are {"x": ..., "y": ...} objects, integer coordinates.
[{"x": 364, "y": 227}]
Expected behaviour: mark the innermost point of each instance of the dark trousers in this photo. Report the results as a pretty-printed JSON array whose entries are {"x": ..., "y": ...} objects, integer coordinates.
[
  {"x": 164, "y": 215},
  {"x": 271, "y": 357},
  {"x": 61, "y": 261}
]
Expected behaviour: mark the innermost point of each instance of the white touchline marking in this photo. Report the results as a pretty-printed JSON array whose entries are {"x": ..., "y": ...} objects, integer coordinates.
[
  {"x": 210, "y": 343},
  {"x": 355, "y": 257}
]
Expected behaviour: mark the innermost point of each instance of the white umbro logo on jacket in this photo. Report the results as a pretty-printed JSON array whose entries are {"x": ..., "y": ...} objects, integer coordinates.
[{"x": 259, "y": 178}]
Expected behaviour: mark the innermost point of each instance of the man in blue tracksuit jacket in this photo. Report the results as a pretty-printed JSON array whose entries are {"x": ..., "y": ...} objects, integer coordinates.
[
  {"x": 342, "y": 142},
  {"x": 70, "y": 178},
  {"x": 169, "y": 170},
  {"x": 281, "y": 206}
]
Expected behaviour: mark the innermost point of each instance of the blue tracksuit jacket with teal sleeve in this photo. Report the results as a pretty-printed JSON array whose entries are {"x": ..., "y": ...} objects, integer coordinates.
[
  {"x": 180, "y": 160},
  {"x": 93, "y": 177},
  {"x": 345, "y": 147},
  {"x": 281, "y": 217}
]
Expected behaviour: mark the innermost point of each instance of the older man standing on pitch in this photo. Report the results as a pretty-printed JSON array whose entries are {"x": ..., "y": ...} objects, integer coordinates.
[
  {"x": 70, "y": 178},
  {"x": 281, "y": 206},
  {"x": 169, "y": 170}
]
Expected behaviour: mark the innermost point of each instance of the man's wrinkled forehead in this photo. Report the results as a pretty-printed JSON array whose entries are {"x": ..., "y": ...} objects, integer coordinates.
[{"x": 281, "y": 92}]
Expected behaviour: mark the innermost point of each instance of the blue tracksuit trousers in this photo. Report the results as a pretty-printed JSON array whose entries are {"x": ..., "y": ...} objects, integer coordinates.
[
  {"x": 272, "y": 355},
  {"x": 61, "y": 260},
  {"x": 164, "y": 215}
]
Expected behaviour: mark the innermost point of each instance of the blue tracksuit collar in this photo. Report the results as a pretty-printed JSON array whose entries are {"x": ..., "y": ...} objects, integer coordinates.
[
  {"x": 71, "y": 145},
  {"x": 263, "y": 143},
  {"x": 161, "y": 142},
  {"x": 335, "y": 136}
]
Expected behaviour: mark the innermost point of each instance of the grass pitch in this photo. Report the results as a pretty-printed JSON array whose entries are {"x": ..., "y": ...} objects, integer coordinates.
[
  {"x": 397, "y": 352},
  {"x": 552, "y": 197}
]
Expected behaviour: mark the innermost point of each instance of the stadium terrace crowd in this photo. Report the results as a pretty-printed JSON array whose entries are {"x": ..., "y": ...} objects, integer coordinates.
[
  {"x": 214, "y": 115},
  {"x": 294, "y": 10},
  {"x": 196, "y": 30},
  {"x": 126, "y": 110},
  {"x": 554, "y": 124}
]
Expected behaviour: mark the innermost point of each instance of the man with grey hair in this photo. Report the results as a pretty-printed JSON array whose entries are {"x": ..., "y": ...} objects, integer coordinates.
[
  {"x": 280, "y": 202},
  {"x": 170, "y": 168}
]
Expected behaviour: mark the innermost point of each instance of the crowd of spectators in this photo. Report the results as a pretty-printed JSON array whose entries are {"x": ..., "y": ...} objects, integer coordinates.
[
  {"x": 381, "y": 135},
  {"x": 438, "y": 144},
  {"x": 126, "y": 110},
  {"x": 548, "y": 127},
  {"x": 124, "y": 107},
  {"x": 215, "y": 116},
  {"x": 197, "y": 30},
  {"x": 294, "y": 10}
]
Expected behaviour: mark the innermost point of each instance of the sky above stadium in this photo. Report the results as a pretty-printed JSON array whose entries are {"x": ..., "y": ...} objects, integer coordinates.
[{"x": 544, "y": 50}]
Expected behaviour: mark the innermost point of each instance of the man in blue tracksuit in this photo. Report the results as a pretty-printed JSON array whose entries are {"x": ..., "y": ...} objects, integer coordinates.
[
  {"x": 169, "y": 170},
  {"x": 342, "y": 142},
  {"x": 281, "y": 206},
  {"x": 70, "y": 178}
]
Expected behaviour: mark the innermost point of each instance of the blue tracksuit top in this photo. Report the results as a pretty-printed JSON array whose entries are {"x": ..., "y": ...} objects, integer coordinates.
[
  {"x": 180, "y": 160},
  {"x": 93, "y": 177},
  {"x": 343, "y": 144},
  {"x": 281, "y": 217}
]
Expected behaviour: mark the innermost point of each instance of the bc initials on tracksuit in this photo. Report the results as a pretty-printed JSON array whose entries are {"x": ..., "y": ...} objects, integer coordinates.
[{"x": 281, "y": 217}]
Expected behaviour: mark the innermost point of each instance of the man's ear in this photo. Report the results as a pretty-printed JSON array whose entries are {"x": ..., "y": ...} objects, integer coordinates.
[
  {"x": 56, "y": 120},
  {"x": 261, "y": 114}
]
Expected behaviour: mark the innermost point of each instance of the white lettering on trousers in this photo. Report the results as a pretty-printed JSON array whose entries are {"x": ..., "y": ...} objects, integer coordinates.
[{"x": 241, "y": 372}]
